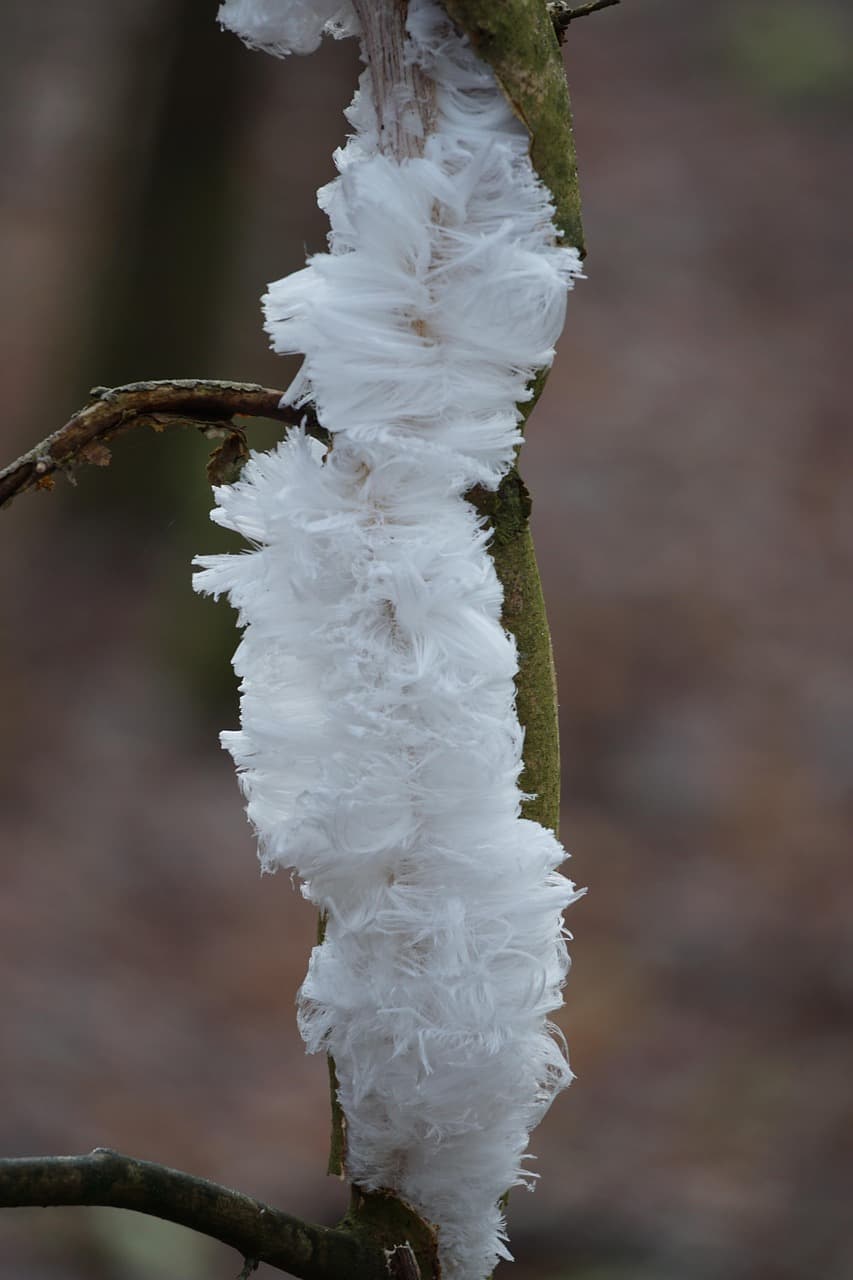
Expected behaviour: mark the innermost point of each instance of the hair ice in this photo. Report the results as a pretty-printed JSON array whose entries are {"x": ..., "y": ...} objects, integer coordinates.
[{"x": 379, "y": 748}]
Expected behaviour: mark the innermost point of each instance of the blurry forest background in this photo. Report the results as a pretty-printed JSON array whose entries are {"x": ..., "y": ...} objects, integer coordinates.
[{"x": 691, "y": 467}]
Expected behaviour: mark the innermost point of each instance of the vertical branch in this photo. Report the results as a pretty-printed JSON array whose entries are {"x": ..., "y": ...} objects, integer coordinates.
[{"x": 403, "y": 96}]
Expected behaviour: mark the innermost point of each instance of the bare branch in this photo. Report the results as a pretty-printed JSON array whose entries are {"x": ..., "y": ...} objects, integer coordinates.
[
  {"x": 259, "y": 1232},
  {"x": 395, "y": 78},
  {"x": 179, "y": 402},
  {"x": 562, "y": 13}
]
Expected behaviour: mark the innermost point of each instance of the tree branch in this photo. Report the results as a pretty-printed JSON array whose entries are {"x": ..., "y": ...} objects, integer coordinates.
[
  {"x": 178, "y": 402},
  {"x": 561, "y": 13},
  {"x": 257, "y": 1231}
]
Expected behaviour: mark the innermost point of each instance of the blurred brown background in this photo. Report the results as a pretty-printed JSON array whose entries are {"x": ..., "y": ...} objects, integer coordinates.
[{"x": 691, "y": 467}]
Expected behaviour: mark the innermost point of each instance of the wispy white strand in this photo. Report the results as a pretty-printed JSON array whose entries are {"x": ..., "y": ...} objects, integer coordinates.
[
  {"x": 379, "y": 749},
  {"x": 287, "y": 26}
]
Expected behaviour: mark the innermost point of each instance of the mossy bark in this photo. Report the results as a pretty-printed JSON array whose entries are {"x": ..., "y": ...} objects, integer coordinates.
[
  {"x": 508, "y": 513},
  {"x": 356, "y": 1249}
]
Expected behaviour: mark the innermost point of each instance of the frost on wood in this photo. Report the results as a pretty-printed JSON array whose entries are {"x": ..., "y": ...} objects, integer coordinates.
[{"x": 379, "y": 748}]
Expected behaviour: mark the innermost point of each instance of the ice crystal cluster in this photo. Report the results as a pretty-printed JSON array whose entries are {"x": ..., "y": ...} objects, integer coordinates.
[{"x": 379, "y": 748}]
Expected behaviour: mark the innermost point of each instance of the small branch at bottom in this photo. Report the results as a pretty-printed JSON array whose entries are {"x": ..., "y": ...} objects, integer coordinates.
[{"x": 256, "y": 1230}]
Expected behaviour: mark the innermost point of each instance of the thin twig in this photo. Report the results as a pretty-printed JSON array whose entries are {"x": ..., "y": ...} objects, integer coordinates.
[
  {"x": 259, "y": 1232},
  {"x": 562, "y": 13},
  {"x": 186, "y": 402}
]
